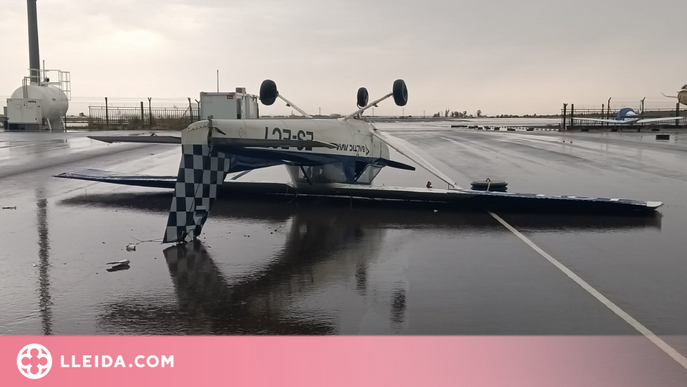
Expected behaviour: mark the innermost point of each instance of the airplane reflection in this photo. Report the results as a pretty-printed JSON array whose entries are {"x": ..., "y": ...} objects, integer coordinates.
[
  {"x": 45, "y": 298},
  {"x": 320, "y": 252},
  {"x": 327, "y": 246}
]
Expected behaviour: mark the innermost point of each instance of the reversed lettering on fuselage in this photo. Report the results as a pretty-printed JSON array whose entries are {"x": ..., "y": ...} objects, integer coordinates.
[
  {"x": 305, "y": 135},
  {"x": 352, "y": 148},
  {"x": 288, "y": 134}
]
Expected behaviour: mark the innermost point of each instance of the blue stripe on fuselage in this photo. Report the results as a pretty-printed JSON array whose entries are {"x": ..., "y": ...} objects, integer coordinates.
[{"x": 259, "y": 158}]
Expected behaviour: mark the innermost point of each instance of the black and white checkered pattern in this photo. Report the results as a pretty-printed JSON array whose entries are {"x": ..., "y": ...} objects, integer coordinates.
[{"x": 201, "y": 171}]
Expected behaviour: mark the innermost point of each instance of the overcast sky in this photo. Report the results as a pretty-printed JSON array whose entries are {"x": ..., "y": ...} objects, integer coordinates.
[{"x": 500, "y": 56}]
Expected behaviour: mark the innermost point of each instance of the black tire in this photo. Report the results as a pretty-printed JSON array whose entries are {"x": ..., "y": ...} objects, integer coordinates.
[
  {"x": 400, "y": 92},
  {"x": 363, "y": 97},
  {"x": 268, "y": 92}
]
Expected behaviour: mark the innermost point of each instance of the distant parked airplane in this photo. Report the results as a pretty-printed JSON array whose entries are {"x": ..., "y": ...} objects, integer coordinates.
[{"x": 628, "y": 116}]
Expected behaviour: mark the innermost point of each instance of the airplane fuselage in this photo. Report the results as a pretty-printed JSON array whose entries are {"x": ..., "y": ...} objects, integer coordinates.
[
  {"x": 356, "y": 155},
  {"x": 627, "y": 121}
]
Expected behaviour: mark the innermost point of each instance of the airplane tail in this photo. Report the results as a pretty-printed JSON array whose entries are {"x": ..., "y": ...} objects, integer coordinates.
[{"x": 201, "y": 171}]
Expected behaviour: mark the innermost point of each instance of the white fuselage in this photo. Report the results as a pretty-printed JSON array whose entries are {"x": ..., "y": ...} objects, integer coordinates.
[{"x": 353, "y": 140}]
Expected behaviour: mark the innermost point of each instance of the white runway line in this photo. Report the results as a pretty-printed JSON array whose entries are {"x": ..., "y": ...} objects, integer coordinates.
[{"x": 609, "y": 304}]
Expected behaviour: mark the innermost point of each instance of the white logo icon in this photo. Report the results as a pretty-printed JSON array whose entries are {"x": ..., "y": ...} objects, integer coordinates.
[{"x": 34, "y": 361}]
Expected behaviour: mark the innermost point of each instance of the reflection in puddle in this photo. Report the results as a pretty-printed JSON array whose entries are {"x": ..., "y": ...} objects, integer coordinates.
[{"x": 326, "y": 276}]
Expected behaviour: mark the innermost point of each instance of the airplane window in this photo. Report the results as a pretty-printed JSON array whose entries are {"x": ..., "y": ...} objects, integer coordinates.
[
  {"x": 368, "y": 174},
  {"x": 329, "y": 173}
]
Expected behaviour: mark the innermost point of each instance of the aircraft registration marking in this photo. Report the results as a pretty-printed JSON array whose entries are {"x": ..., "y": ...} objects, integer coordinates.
[{"x": 288, "y": 134}]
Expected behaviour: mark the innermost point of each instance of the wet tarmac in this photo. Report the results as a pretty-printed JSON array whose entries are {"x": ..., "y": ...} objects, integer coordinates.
[{"x": 316, "y": 267}]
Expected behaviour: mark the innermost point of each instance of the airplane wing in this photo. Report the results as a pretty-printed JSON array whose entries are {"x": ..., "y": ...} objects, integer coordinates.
[
  {"x": 227, "y": 142},
  {"x": 601, "y": 120},
  {"x": 664, "y": 119},
  {"x": 472, "y": 199},
  {"x": 458, "y": 198},
  {"x": 129, "y": 179},
  {"x": 151, "y": 139}
]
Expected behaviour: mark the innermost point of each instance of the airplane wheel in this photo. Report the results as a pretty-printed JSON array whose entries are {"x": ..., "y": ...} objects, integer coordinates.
[
  {"x": 268, "y": 92},
  {"x": 400, "y": 93},
  {"x": 363, "y": 97}
]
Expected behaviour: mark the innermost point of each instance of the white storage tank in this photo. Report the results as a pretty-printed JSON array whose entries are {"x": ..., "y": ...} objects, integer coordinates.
[{"x": 36, "y": 106}]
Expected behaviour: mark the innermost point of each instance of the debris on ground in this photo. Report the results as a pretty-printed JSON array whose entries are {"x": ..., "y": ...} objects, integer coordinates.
[
  {"x": 118, "y": 268},
  {"x": 9, "y": 208},
  {"x": 131, "y": 247},
  {"x": 119, "y": 265},
  {"x": 122, "y": 262}
]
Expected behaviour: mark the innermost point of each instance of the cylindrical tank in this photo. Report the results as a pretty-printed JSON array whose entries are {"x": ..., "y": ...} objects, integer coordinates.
[{"x": 54, "y": 103}]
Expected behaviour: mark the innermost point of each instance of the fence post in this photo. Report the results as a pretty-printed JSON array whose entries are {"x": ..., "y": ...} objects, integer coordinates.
[
  {"x": 565, "y": 113},
  {"x": 150, "y": 112},
  {"x": 677, "y": 113},
  {"x": 572, "y": 114},
  {"x": 107, "y": 115},
  {"x": 143, "y": 118},
  {"x": 190, "y": 109}
]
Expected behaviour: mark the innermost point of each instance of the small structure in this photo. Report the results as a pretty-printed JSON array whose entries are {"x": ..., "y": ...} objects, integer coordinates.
[
  {"x": 38, "y": 104},
  {"x": 228, "y": 105}
]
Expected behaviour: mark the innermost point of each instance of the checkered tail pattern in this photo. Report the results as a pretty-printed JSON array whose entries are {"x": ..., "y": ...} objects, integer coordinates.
[{"x": 201, "y": 172}]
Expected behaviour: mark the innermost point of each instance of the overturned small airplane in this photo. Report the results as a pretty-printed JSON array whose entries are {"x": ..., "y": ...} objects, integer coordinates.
[{"x": 324, "y": 157}]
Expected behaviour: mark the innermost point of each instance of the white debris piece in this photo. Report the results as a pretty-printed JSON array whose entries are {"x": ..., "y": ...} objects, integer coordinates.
[
  {"x": 131, "y": 247},
  {"x": 122, "y": 262}
]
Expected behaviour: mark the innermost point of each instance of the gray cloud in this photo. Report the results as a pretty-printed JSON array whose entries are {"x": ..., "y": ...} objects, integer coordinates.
[{"x": 499, "y": 56}]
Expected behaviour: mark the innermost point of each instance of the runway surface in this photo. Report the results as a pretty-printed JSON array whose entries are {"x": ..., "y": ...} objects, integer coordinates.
[{"x": 304, "y": 267}]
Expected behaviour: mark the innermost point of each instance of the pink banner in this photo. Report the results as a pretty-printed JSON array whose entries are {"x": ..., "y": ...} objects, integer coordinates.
[{"x": 336, "y": 361}]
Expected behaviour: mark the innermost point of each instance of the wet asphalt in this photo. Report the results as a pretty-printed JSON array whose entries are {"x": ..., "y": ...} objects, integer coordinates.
[{"x": 315, "y": 267}]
